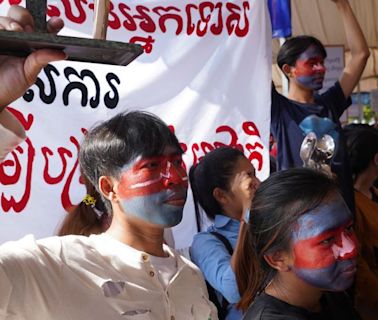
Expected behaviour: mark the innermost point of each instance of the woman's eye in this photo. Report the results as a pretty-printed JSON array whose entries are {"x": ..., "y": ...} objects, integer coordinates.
[
  {"x": 328, "y": 241},
  {"x": 178, "y": 162},
  {"x": 151, "y": 165},
  {"x": 349, "y": 229}
]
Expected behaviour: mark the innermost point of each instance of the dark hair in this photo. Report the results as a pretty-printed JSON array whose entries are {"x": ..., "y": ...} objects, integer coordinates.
[
  {"x": 86, "y": 218},
  {"x": 279, "y": 201},
  {"x": 116, "y": 142},
  {"x": 362, "y": 146},
  {"x": 214, "y": 170},
  {"x": 294, "y": 47}
]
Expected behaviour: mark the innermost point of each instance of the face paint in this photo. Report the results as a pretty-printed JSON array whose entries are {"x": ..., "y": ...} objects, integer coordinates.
[
  {"x": 154, "y": 189},
  {"x": 309, "y": 69},
  {"x": 325, "y": 247}
]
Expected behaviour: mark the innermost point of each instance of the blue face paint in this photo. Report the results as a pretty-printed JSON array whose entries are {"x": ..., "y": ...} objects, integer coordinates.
[
  {"x": 309, "y": 69},
  {"x": 154, "y": 189},
  {"x": 325, "y": 246}
]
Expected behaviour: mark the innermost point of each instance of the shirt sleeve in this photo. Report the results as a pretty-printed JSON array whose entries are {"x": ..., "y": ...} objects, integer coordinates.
[
  {"x": 5, "y": 293},
  {"x": 8, "y": 138},
  {"x": 211, "y": 256},
  {"x": 274, "y": 106},
  {"x": 335, "y": 100}
]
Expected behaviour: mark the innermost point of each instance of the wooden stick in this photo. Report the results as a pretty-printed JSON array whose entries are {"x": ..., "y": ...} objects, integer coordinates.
[
  {"x": 37, "y": 9},
  {"x": 101, "y": 15}
]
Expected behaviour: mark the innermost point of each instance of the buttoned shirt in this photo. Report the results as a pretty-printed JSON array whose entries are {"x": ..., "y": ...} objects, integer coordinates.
[
  {"x": 214, "y": 260},
  {"x": 96, "y": 277}
]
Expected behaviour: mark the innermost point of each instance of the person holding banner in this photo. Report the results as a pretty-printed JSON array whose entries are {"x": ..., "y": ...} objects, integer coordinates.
[
  {"x": 305, "y": 113},
  {"x": 134, "y": 160},
  {"x": 18, "y": 74}
]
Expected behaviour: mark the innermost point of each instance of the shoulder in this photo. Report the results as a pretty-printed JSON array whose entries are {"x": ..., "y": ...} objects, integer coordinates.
[
  {"x": 204, "y": 240},
  {"x": 30, "y": 250},
  {"x": 266, "y": 307}
]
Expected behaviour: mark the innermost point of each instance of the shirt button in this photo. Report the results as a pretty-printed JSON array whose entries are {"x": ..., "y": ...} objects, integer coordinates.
[
  {"x": 152, "y": 273},
  {"x": 145, "y": 257}
]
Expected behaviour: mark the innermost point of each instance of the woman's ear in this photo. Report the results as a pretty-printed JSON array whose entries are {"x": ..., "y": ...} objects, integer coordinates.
[
  {"x": 288, "y": 70},
  {"x": 106, "y": 187},
  {"x": 220, "y": 195},
  {"x": 279, "y": 260}
]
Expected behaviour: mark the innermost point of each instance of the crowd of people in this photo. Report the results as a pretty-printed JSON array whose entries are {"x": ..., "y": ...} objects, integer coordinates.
[{"x": 303, "y": 244}]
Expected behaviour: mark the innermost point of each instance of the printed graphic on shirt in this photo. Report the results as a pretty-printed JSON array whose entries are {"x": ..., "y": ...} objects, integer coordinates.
[{"x": 320, "y": 142}]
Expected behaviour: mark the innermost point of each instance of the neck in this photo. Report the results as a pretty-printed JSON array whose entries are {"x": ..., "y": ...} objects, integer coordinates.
[
  {"x": 298, "y": 294},
  {"x": 300, "y": 94},
  {"x": 137, "y": 234},
  {"x": 364, "y": 181}
]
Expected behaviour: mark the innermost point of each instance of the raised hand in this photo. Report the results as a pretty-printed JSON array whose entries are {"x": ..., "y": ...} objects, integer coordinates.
[{"x": 18, "y": 74}]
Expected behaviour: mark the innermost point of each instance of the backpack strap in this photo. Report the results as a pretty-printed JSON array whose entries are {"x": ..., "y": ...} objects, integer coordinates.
[
  {"x": 224, "y": 240},
  {"x": 221, "y": 306}
]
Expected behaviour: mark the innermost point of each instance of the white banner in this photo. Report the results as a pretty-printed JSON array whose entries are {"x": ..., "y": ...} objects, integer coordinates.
[{"x": 206, "y": 71}]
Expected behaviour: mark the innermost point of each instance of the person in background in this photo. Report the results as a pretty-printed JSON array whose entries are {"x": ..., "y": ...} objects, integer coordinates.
[
  {"x": 299, "y": 250},
  {"x": 135, "y": 162},
  {"x": 18, "y": 74},
  {"x": 223, "y": 184},
  {"x": 304, "y": 111},
  {"x": 362, "y": 143}
]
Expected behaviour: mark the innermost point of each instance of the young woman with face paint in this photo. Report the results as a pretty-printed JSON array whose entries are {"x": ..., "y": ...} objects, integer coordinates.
[
  {"x": 303, "y": 111},
  {"x": 362, "y": 142},
  {"x": 223, "y": 184},
  {"x": 299, "y": 250}
]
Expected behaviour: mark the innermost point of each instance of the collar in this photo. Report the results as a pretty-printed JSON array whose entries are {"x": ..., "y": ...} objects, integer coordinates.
[{"x": 221, "y": 221}]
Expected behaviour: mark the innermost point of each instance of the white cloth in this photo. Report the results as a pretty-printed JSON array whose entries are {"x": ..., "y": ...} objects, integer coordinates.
[
  {"x": 8, "y": 141},
  {"x": 96, "y": 277},
  {"x": 166, "y": 268}
]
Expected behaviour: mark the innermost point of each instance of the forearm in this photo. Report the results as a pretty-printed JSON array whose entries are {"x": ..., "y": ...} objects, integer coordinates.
[
  {"x": 355, "y": 38},
  {"x": 10, "y": 122}
]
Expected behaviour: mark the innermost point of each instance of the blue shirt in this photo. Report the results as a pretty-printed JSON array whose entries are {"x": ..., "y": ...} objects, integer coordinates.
[{"x": 212, "y": 257}]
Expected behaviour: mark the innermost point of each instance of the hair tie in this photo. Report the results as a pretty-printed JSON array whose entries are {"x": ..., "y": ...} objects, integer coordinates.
[{"x": 89, "y": 200}]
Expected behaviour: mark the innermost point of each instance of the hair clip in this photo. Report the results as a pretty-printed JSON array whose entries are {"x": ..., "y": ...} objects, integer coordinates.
[{"x": 89, "y": 200}]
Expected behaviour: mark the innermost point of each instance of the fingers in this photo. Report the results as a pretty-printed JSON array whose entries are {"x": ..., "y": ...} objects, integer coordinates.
[
  {"x": 18, "y": 19},
  {"x": 54, "y": 25},
  {"x": 38, "y": 60}
]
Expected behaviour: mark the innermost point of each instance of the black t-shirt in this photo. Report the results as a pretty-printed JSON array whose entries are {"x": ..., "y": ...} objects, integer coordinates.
[
  {"x": 335, "y": 306},
  {"x": 291, "y": 121}
]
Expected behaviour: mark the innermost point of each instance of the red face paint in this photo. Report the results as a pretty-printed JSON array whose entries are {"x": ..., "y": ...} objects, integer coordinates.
[
  {"x": 153, "y": 175},
  {"x": 325, "y": 246}
]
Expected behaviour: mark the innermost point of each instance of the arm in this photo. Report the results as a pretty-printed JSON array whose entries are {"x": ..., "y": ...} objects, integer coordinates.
[
  {"x": 358, "y": 48},
  {"x": 18, "y": 74},
  {"x": 214, "y": 261}
]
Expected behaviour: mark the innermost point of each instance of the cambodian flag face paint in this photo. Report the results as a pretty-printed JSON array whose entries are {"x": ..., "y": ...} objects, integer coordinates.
[
  {"x": 154, "y": 189},
  {"x": 325, "y": 246},
  {"x": 309, "y": 69}
]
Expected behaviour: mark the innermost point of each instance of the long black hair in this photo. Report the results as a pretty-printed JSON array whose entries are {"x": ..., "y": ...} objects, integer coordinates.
[
  {"x": 214, "y": 170},
  {"x": 279, "y": 201}
]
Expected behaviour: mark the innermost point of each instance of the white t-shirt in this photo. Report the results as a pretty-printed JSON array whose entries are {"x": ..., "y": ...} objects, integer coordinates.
[{"x": 97, "y": 278}]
